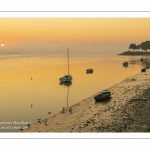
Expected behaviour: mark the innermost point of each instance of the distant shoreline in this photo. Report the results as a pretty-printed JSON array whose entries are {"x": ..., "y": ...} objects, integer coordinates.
[{"x": 135, "y": 53}]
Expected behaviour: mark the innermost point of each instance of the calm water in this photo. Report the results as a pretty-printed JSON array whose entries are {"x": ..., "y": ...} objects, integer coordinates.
[{"x": 30, "y": 86}]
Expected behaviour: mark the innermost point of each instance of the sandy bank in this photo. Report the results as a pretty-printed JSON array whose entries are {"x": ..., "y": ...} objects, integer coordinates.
[
  {"x": 127, "y": 111},
  {"x": 135, "y": 53}
]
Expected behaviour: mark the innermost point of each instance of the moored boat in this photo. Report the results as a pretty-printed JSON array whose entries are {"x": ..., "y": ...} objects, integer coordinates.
[
  {"x": 89, "y": 70},
  {"x": 102, "y": 96},
  {"x": 142, "y": 59},
  {"x": 125, "y": 63},
  {"x": 66, "y": 78},
  {"x": 143, "y": 70}
]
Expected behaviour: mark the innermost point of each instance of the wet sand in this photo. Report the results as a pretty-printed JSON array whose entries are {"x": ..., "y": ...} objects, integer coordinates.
[{"x": 128, "y": 110}]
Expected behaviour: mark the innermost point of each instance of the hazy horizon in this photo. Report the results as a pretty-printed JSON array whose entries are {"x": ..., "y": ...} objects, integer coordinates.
[{"x": 80, "y": 35}]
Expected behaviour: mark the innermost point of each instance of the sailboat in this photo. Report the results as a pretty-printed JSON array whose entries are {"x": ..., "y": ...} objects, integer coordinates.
[{"x": 66, "y": 78}]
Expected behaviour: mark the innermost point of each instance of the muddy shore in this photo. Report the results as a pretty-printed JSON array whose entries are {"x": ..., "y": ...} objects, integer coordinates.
[
  {"x": 135, "y": 53},
  {"x": 128, "y": 110}
]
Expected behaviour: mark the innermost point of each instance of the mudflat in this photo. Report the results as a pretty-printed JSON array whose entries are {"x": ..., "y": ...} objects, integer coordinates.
[{"x": 128, "y": 110}]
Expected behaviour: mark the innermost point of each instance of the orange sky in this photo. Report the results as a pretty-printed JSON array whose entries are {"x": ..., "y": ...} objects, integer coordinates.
[{"x": 17, "y": 31}]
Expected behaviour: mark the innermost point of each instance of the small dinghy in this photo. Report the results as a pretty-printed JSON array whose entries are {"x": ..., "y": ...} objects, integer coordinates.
[
  {"x": 89, "y": 70},
  {"x": 125, "y": 63},
  {"x": 143, "y": 70},
  {"x": 103, "y": 96}
]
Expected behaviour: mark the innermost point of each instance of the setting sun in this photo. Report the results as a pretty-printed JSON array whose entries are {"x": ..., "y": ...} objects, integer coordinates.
[{"x": 2, "y": 44}]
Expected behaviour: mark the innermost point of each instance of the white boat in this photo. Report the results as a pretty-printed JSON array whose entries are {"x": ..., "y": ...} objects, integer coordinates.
[{"x": 66, "y": 78}]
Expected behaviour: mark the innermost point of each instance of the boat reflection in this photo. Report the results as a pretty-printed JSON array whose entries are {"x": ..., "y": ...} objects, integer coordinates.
[
  {"x": 137, "y": 61},
  {"x": 125, "y": 66},
  {"x": 65, "y": 83},
  {"x": 89, "y": 72}
]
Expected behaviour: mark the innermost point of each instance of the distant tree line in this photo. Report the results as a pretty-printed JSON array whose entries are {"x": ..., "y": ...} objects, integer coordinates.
[{"x": 143, "y": 46}]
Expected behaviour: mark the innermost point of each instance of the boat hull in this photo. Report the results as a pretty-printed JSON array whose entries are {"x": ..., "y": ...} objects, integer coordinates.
[
  {"x": 143, "y": 70},
  {"x": 125, "y": 64},
  {"x": 89, "y": 70},
  {"x": 102, "y": 97},
  {"x": 66, "y": 78}
]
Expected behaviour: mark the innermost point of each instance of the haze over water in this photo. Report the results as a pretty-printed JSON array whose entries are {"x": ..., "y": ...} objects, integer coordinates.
[{"x": 30, "y": 86}]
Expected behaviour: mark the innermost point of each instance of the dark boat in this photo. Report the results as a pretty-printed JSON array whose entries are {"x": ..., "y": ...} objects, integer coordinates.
[
  {"x": 102, "y": 96},
  {"x": 142, "y": 59},
  {"x": 125, "y": 64},
  {"x": 89, "y": 70},
  {"x": 143, "y": 70}
]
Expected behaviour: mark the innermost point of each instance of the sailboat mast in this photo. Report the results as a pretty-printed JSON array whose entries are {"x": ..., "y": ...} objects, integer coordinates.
[{"x": 68, "y": 60}]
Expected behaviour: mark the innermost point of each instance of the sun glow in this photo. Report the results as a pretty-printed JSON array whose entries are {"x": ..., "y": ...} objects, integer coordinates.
[{"x": 2, "y": 44}]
